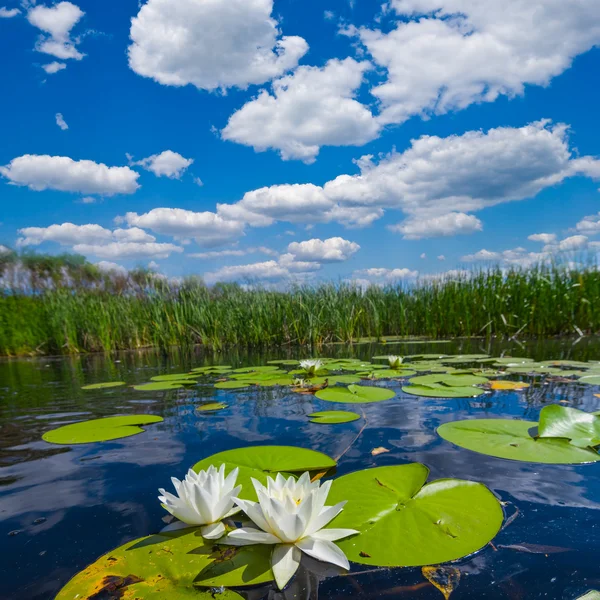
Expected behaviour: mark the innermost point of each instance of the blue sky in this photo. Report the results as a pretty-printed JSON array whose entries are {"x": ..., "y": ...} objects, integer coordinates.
[{"x": 300, "y": 140}]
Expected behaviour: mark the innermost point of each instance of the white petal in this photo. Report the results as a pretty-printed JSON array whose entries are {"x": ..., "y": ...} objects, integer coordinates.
[
  {"x": 325, "y": 551},
  {"x": 254, "y": 512},
  {"x": 285, "y": 562},
  {"x": 326, "y": 515},
  {"x": 333, "y": 535},
  {"x": 213, "y": 531},
  {"x": 245, "y": 536}
]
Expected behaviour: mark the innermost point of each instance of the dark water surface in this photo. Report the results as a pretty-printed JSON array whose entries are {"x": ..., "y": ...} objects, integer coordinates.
[{"x": 62, "y": 507}]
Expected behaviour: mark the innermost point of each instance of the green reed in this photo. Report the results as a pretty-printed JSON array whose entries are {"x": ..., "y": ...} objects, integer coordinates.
[{"x": 75, "y": 308}]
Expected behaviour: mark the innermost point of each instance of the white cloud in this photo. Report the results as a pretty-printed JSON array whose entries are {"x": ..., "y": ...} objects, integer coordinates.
[
  {"x": 60, "y": 121},
  {"x": 111, "y": 267},
  {"x": 209, "y": 229},
  {"x": 329, "y": 15},
  {"x": 54, "y": 67},
  {"x": 335, "y": 249},
  {"x": 482, "y": 255},
  {"x": 57, "y": 21},
  {"x": 166, "y": 164},
  {"x": 43, "y": 172},
  {"x": 444, "y": 55},
  {"x": 308, "y": 109},
  {"x": 445, "y": 225},
  {"x": 544, "y": 238},
  {"x": 382, "y": 275},
  {"x": 210, "y": 43},
  {"x": 4, "y": 249},
  {"x": 198, "y": 181},
  {"x": 575, "y": 242},
  {"x": 8, "y": 13},
  {"x": 589, "y": 225},
  {"x": 441, "y": 257},
  {"x": 423, "y": 256},
  {"x": 125, "y": 250},
  {"x": 227, "y": 253},
  {"x": 450, "y": 275},
  {"x": 133, "y": 234},
  {"x": 269, "y": 270},
  {"x": 88, "y": 200},
  {"x": 65, "y": 234}
]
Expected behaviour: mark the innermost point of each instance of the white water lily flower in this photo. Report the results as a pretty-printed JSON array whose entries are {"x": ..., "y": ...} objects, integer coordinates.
[
  {"x": 205, "y": 498},
  {"x": 291, "y": 515},
  {"x": 311, "y": 366},
  {"x": 395, "y": 361}
]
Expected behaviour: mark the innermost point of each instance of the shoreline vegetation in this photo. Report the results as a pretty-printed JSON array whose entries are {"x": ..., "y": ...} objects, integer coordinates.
[{"x": 66, "y": 305}]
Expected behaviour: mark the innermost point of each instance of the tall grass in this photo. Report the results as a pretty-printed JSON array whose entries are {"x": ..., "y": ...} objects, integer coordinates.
[{"x": 97, "y": 312}]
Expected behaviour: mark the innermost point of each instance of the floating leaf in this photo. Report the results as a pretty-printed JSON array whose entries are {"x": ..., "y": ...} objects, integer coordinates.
[
  {"x": 378, "y": 451},
  {"x": 591, "y": 595},
  {"x": 213, "y": 369},
  {"x": 263, "y": 369},
  {"x": 590, "y": 379},
  {"x": 445, "y": 579},
  {"x": 177, "y": 377},
  {"x": 355, "y": 394},
  {"x": 211, "y": 406},
  {"x": 405, "y": 523},
  {"x": 438, "y": 390},
  {"x": 260, "y": 461},
  {"x": 282, "y": 362},
  {"x": 333, "y": 416},
  {"x": 102, "y": 386},
  {"x": 508, "y": 385},
  {"x": 451, "y": 380},
  {"x": 582, "y": 428},
  {"x": 161, "y": 386},
  {"x": 233, "y": 385},
  {"x": 389, "y": 374},
  {"x": 168, "y": 565},
  {"x": 100, "y": 430},
  {"x": 505, "y": 438}
]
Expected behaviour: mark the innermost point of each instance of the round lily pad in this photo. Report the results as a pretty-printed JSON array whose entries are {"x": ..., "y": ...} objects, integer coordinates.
[
  {"x": 100, "y": 430},
  {"x": 590, "y": 379},
  {"x": 263, "y": 369},
  {"x": 331, "y": 417},
  {"x": 578, "y": 426},
  {"x": 102, "y": 386},
  {"x": 389, "y": 373},
  {"x": 261, "y": 461},
  {"x": 451, "y": 380},
  {"x": 213, "y": 369},
  {"x": 355, "y": 394},
  {"x": 438, "y": 390},
  {"x": 505, "y": 438},
  {"x": 161, "y": 386},
  {"x": 176, "y": 377},
  {"x": 211, "y": 406},
  {"x": 171, "y": 565},
  {"x": 237, "y": 384},
  {"x": 404, "y": 522}
]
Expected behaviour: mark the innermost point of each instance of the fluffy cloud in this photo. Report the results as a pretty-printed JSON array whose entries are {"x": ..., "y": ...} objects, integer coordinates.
[
  {"x": 445, "y": 225},
  {"x": 227, "y": 253},
  {"x": 308, "y": 109},
  {"x": 208, "y": 228},
  {"x": 210, "y": 43},
  {"x": 111, "y": 267},
  {"x": 575, "y": 242},
  {"x": 8, "y": 13},
  {"x": 382, "y": 276},
  {"x": 166, "y": 164},
  {"x": 544, "y": 238},
  {"x": 127, "y": 250},
  {"x": 589, "y": 225},
  {"x": 334, "y": 249},
  {"x": 57, "y": 22},
  {"x": 269, "y": 270},
  {"x": 54, "y": 67},
  {"x": 60, "y": 121},
  {"x": 444, "y": 55},
  {"x": 43, "y": 172}
]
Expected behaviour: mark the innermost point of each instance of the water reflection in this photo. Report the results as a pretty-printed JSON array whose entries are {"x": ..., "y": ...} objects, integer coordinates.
[{"x": 92, "y": 498}]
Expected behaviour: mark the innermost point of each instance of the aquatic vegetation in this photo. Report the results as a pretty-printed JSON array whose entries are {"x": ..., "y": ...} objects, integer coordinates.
[
  {"x": 564, "y": 436},
  {"x": 204, "y": 498},
  {"x": 311, "y": 366},
  {"x": 103, "y": 386},
  {"x": 291, "y": 515},
  {"x": 211, "y": 407},
  {"x": 404, "y": 521},
  {"x": 100, "y": 430},
  {"x": 355, "y": 394},
  {"x": 161, "y": 386},
  {"x": 330, "y": 417},
  {"x": 395, "y": 362}
]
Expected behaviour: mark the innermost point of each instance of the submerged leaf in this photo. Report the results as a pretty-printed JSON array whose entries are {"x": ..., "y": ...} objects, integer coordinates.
[
  {"x": 445, "y": 579},
  {"x": 100, "y": 430}
]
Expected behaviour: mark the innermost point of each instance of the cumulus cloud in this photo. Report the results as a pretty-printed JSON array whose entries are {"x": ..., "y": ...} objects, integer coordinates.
[
  {"x": 57, "y": 22},
  {"x": 574, "y": 242},
  {"x": 382, "y": 276},
  {"x": 166, "y": 164},
  {"x": 211, "y": 44},
  {"x": 125, "y": 250},
  {"x": 208, "y": 228},
  {"x": 54, "y": 67},
  {"x": 308, "y": 109},
  {"x": 335, "y": 249},
  {"x": 8, "y": 13},
  {"x": 60, "y": 121},
  {"x": 444, "y": 55},
  {"x": 111, "y": 267},
  {"x": 544, "y": 238},
  {"x": 269, "y": 270},
  {"x": 228, "y": 253},
  {"x": 43, "y": 172},
  {"x": 589, "y": 225},
  {"x": 445, "y": 225}
]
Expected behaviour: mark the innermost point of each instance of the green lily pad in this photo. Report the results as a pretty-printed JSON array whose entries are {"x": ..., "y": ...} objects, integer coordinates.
[
  {"x": 176, "y": 377},
  {"x": 404, "y": 522},
  {"x": 171, "y": 565},
  {"x": 591, "y": 595},
  {"x": 451, "y": 380},
  {"x": 213, "y": 369},
  {"x": 582, "y": 428},
  {"x": 161, "y": 386},
  {"x": 102, "y": 386},
  {"x": 355, "y": 394},
  {"x": 263, "y": 369},
  {"x": 211, "y": 406},
  {"x": 438, "y": 390},
  {"x": 344, "y": 379},
  {"x": 261, "y": 461},
  {"x": 237, "y": 384},
  {"x": 505, "y": 438},
  {"x": 100, "y": 430},
  {"x": 334, "y": 416},
  {"x": 282, "y": 362},
  {"x": 389, "y": 373},
  {"x": 590, "y": 379}
]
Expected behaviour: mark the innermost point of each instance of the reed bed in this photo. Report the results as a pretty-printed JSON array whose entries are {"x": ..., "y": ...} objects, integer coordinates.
[{"x": 70, "y": 307}]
